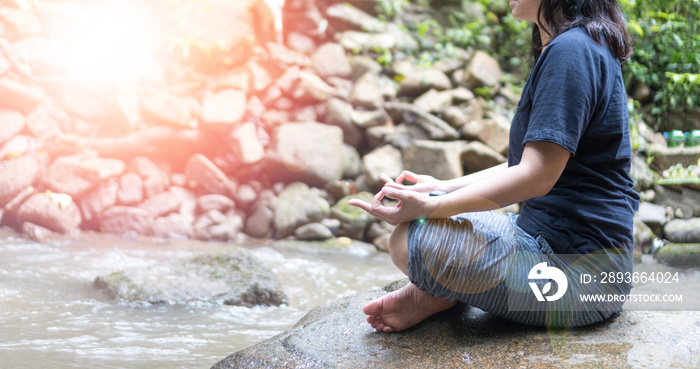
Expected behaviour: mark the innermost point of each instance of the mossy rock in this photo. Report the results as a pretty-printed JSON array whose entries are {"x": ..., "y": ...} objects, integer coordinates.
[
  {"x": 234, "y": 277},
  {"x": 352, "y": 214},
  {"x": 684, "y": 255}
]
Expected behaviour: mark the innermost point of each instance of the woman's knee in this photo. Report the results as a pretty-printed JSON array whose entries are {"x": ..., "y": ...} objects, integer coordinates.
[{"x": 398, "y": 241}]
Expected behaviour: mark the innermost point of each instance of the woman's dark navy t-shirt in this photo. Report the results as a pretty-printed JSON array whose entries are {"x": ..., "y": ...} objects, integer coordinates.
[{"x": 575, "y": 97}]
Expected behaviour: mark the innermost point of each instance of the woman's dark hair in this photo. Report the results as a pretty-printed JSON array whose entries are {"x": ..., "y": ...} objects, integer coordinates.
[{"x": 602, "y": 19}]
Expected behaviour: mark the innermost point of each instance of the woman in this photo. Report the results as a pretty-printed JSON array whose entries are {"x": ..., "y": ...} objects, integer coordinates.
[{"x": 568, "y": 164}]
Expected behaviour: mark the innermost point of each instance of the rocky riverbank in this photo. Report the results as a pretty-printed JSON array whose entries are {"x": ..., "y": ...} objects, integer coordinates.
[{"x": 337, "y": 336}]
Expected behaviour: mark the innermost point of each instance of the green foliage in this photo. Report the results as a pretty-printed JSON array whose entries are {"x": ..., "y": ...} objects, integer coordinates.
[{"x": 666, "y": 58}]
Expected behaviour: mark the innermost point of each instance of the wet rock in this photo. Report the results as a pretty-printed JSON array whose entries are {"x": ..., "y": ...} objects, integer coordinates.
[
  {"x": 259, "y": 223},
  {"x": 245, "y": 143},
  {"x": 330, "y": 60},
  {"x": 16, "y": 175},
  {"x": 222, "y": 109},
  {"x": 477, "y": 156},
  {"x": 54, "y": 211},
  {"x": 313, "y": 232},
  {"x": 441, "y": 160},
  {"x": 353, "y": 220},
  {"x": 683, "y": 230},
  {"x": 98, "y": 199},
  {"x": 126, "y": 219},
  {"x": 207, "y": 177},
  {"x": 297, "y": 205},
  {"x": 176, "y": 111},
  {"x": 130, "y": 190},
  {"x": 384, "y": 159},
  {"x": 652, "y": 215},
  {"x": 423, "y": 80},
  {"x": 337, "y": 335},
  {"x": 680, "y": 255},
  {"x": 20, "y": 96},
  {"x": 12, "y": 123},
  {"x": 233, "y": 277},
  {"x": 482, "y": 71},
  {"x": 307, "y": 152},
  {"x": 76, "y": 174},
  {"x": 36, "y": 232}
]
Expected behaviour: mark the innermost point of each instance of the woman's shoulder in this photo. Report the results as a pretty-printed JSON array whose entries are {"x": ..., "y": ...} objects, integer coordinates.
[{"x": 576, "y": 39}]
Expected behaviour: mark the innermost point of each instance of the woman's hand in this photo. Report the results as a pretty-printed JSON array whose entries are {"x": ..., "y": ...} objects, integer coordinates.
[
  {"x": 422, "y": 182},
  {"x": 411, "y": 205}
]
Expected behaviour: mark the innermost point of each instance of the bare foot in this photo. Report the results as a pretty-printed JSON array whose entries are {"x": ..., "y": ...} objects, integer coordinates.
[{"x": 402, "y": 309}]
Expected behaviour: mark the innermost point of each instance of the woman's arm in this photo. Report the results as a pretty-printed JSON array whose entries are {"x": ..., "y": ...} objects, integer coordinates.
[{"x": 539, "y": 169}]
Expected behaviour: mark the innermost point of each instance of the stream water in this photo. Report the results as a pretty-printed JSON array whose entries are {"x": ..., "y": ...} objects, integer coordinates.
[{"x": 52, "y": 316}]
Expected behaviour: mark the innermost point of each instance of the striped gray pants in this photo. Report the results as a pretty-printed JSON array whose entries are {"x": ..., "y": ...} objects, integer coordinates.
[{"x": 483, "y": 260}]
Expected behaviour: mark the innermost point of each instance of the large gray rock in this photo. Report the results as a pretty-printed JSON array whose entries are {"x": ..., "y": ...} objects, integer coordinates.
[
  {"x": 353, "y": 220},
  {"x": 434, "y": 127},
  {"x": 223, "y": 109},
  {"x": 155, "y": 180},
  {"x": 493, "y": 132},
  {"x": 233, "y": 277},
  {"x": 683, "y": 230},
  {"x": 336, "y": 335},
  {"x": 307, "y": 152},
  {"x": 482, "y": 71},
  {"x": 436, "y": 158},
  {"x": 477, "y": 156},
  {"x": 245, "y": 143},
  {"x": 54, "y": 211},
  {"x": 98, "y": 199},
  {"x": 126, "y": 219},
  {"x": 296, "y": 206},
  {"x": 423, "y": 80}
]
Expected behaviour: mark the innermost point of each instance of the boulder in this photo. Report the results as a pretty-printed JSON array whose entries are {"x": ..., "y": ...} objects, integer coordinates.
[
  {"x": 233, "y": 277},
  {"x": 55, "y": 211},
  {"x": 173, "y": 226},
  {"x": 15, "y": 175},
  {"x": 8, "y": 214},
  {"x": 296, "y": 206},
  {"x": 155, "y": 180},
  {"x": 164, "y": 203},
  {"x": 679, "y": 255},
  {"x": 245, "y": 143},
  {"x": 98, "y": 199},
  {"x": 307, "y": 152},
  {"x": 344, "y": 17},
  {"x": 477, "y": 156},
  {"x": 340, "y": 114},
  {"x": 441, "y": 160},
  {"x": 352, "y": 166},
  {"x": 423, "y": 80},
  {"x": 207, "y": 177},
  {"x": 652, "y": 215},
  {"x": 76, "y": 174},
  {"x": 683, "y": 230},
  {"x": 313, "y": 232},
  {"x": 214, "y": 202},
  {"x": 130, "y": 190},
  {"x": 384, "y": 159},
  {"x": 222, "y": 109},
  {"x": 482, "y": 71},
  {"x": 493, "y": 131},
  {"x": 353, "y": 220},
  {"x": 312, "y": 89},
  {"x": 126, "y": 219},
  {"x": 436, "y": 128},
  {"x": 330, "y": 60},
  {"x": 337, "y": 335},
  {"x": 259, "y": 223}
]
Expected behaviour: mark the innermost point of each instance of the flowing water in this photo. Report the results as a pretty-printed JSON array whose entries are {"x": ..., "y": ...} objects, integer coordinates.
[{"x": 52, "y": 316}]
